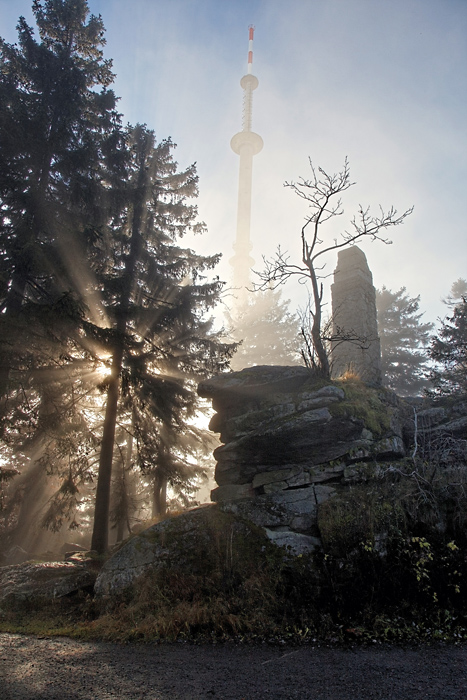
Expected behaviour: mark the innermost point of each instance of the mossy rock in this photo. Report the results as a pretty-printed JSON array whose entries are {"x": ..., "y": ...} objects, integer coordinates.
[
  {"x": 204, "y": 542},
  {"x": 364, "y": 403}
]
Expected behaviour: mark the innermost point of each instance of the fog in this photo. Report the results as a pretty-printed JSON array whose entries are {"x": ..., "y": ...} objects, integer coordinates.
[{"x": 382, "y": 83}]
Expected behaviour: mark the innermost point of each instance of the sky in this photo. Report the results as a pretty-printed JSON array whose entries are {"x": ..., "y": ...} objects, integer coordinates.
[{"x": 381, "y": 82}]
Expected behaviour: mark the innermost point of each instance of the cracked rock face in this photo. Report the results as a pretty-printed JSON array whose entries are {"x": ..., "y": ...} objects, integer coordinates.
[
  {"x": 288, "y": 438},
  {"x": 292, "y": 440}
]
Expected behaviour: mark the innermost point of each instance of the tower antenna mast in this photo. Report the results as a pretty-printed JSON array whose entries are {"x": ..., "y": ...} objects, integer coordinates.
[{"x": 246, "y": 144}]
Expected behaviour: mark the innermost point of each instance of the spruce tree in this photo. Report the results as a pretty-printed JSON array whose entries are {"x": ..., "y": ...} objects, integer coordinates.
[
  {"x": 92, "y": 272},
  {"x": 156, "y": 296},
  {"x": 449, "y": 351},
  {"x": 457, "y": 293},
  {"x": 58, "y": 134},
  {"x": 60, "y": 139},
  {"x": 267, "y": 333},
  {"x": 404, "y": 340}
]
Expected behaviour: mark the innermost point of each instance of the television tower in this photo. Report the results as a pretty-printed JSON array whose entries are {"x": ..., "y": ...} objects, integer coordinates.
[{"x": 246, "y": 144}]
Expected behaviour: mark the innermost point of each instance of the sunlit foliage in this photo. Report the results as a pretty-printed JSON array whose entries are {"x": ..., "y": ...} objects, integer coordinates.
[{"x": 103, "y": 315}]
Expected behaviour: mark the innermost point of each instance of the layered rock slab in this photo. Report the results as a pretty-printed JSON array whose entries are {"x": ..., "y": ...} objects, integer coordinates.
[
  {"x": 288, "y": 437},
  {"x": 291, "y": 442}
]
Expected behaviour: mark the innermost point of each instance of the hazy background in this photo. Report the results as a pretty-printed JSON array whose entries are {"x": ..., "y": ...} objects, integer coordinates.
[{"x": 382, "y": 82}]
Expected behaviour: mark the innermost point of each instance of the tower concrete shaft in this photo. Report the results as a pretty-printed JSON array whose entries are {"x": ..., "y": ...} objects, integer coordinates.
[{"x": 246, "y": 144}]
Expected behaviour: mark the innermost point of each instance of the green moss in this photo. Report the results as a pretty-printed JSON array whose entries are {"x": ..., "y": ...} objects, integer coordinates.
[
  {"x": 363, "y": 403},
  {"x": 316, "y": 382}
]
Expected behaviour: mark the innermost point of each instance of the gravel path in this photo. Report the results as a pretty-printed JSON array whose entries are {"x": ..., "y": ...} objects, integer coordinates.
[{"x": 62, "y": 669}]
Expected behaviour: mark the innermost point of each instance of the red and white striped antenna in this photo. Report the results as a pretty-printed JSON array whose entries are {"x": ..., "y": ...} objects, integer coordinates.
[
  {"x": 249, "y": 82},
  {"x": 251, "y": 30}
]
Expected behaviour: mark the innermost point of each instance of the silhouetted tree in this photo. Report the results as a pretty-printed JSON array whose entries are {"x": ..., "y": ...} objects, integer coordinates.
[
  {"x": 59, "y": 138},
  {"x": 449, "y": 351},
  {"x": 58, "y": 134},
  {"x": 322, "y": 193},
  {"x": 155, "y": 295},
  {"x": 404, "y": 340},
  {"x": 91, "y": 273}
]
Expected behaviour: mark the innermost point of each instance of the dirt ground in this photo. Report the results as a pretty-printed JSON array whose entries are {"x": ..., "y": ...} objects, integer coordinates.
[{"x": 61, "y": 669}]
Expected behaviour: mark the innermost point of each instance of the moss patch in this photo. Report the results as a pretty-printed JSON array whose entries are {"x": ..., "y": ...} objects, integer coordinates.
[{"x": 363, "y": 403}]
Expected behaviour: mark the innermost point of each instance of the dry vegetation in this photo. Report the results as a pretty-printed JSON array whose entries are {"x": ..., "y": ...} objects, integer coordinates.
[{"x": 383, "y": 574}]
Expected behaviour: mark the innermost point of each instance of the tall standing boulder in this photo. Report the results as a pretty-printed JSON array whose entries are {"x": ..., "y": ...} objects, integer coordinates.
[{"x": 355, "y": 328}]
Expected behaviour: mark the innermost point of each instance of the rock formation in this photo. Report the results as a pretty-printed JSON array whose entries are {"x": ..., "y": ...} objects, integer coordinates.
[
  {"x": 198, "y": 542},
  {"x": 354, "y": 318},
  {"x": 292, "y": 444},
  {"x": 290, "y": 440}
]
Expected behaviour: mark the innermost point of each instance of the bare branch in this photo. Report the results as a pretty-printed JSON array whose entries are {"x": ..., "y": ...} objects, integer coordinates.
[{"x": 322, "y": 192}]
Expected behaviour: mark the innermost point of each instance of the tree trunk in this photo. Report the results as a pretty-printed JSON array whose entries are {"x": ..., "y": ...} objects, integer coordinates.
[
  {"x": 323, "y": 360},
  {"x": 100, "y": 533},
  {"x": 120, "y": 530},
  {"x": 121, "y": 501},
  {"x": 124, "y": 492},
  {"x": 159, "y": 496}
]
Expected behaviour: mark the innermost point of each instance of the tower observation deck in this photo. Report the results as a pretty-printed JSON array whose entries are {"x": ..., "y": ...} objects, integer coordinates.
[{"x": 246, "y": 144}]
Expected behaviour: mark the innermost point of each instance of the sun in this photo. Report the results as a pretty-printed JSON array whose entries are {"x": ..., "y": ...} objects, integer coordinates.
[{"x": 103, "y": 368}]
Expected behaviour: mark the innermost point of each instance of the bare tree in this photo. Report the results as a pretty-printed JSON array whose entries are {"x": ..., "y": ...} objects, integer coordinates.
[
  {"x": 322, "y": 192},
  {"x": 332, "y": 335}
]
